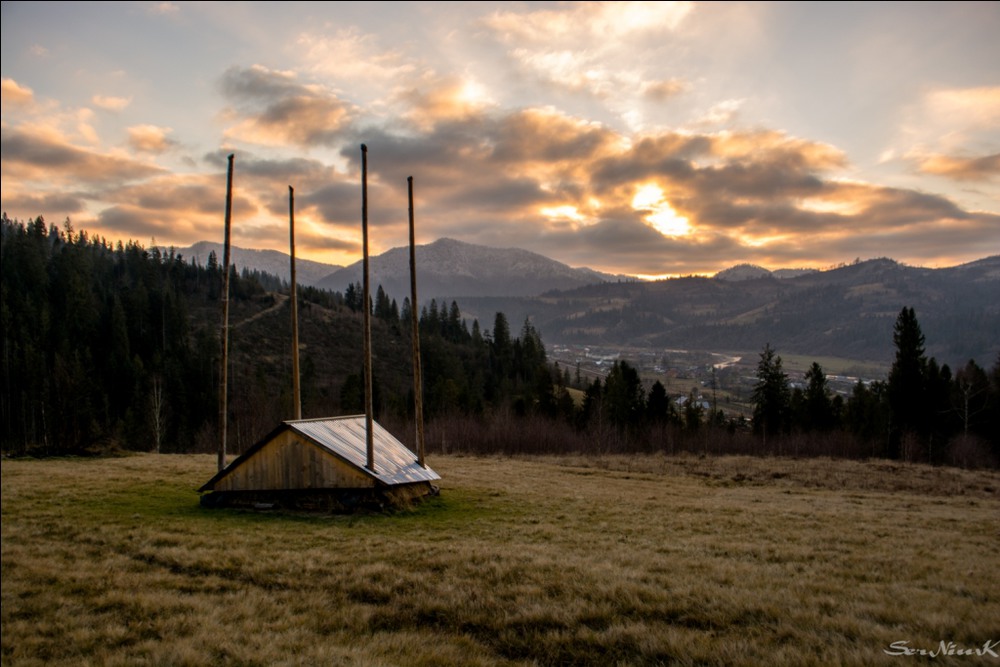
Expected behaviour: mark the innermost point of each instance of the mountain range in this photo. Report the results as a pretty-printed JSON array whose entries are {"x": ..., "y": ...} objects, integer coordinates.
[
  {"x": 445, "y": 268},
  {"x": 847, "y": 311},
  {"x": 307, "y": 272}
]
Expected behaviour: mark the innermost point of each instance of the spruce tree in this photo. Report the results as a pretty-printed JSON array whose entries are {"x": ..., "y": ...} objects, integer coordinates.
[
  {"x": 771, "y": 395},
  {"x": 906, "y": 390}
]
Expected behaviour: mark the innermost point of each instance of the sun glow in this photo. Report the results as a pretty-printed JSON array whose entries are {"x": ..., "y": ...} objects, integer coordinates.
[
  {"x": 474, "y": 94},
  {"x": 661, "y": 215},
  {"x": 563, "y": 213},
  {"x": 567, "y": 216}
]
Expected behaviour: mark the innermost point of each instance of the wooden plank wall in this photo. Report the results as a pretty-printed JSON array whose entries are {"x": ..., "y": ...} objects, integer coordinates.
[{"x": 289, "y": 462}]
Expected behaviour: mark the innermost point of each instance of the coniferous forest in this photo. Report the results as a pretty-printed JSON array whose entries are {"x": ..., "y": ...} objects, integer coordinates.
[{"x": 109, "y": 347}]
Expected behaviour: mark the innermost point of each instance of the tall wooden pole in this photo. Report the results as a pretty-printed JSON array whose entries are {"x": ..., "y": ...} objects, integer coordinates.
[
  {"x": 366, "y": 308},
  {"x": 296, "y": 386},
  {"x": 224, "y": 369},
  {"x": 418, "y": 397}
]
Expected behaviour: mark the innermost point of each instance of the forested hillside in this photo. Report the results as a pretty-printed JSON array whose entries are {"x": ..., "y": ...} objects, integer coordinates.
[
  {"x": 117, "y": 347},
  {"x": 845, "y": 312}
]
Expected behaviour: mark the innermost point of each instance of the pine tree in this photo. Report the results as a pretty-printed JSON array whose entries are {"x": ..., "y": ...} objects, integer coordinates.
[
  {"x": 906, "y": 391},
  {"x": 771, "y": 395},
  {"x": 818, "y": 413}
]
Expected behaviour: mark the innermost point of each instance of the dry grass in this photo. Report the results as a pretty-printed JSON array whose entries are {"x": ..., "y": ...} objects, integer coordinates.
[{"x": 610, "y": 561}]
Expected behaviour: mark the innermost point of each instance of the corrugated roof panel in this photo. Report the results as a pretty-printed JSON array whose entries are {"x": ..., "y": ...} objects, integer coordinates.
[{"x": 345, "y": 437}]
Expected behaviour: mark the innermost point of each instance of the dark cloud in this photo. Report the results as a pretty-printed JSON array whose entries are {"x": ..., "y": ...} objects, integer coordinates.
[
  {"x": 336, "y": 203},
  {"x": 29, "y": 156},
  {"x": 256, "y": 83},
  {"x": 659, "y": 91},
  {"x": 274, "y": 108},
  {"x": 893, "y": 208},
  {"x": 48, "y": 205},
  {"x": 132, "y": 221},
  {"x": 504, "y": 194},
  {"x": 934, "y": 241},
  {"x": 539, "y": 136}
]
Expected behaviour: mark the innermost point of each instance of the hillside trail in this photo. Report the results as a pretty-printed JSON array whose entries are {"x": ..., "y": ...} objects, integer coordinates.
[{"x": 280, "y": 300}]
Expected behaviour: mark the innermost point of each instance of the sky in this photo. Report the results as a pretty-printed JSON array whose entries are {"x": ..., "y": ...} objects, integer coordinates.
[{"x": 641, "y": 138}]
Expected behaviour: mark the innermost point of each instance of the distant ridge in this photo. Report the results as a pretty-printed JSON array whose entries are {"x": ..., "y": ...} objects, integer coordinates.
[
  {"x": 450, "y": 268},
  {"x": 846, "y": 311},
  {"x": 307, "y": 272},
  {"x": 753, "y": 272}
]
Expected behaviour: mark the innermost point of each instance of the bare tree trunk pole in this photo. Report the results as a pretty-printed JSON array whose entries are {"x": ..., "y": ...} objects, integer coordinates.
[
  {"x": 418, "y": 395},
  {"x": 224, "y": 369},
  {"x": 296, "y": 386},
  {"x": 366, "y": 308}
]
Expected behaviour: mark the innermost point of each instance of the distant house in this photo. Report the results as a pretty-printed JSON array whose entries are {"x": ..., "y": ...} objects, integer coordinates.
[
  {"x": 321, "y": 464},
  {"x": 699, "y": 402}
]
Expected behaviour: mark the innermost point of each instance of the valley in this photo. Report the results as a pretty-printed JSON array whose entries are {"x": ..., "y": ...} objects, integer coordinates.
[{"x": 721, "y": 380}]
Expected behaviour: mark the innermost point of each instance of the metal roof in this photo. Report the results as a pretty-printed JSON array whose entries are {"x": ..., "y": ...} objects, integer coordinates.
[{"x": 345, "y": 438}]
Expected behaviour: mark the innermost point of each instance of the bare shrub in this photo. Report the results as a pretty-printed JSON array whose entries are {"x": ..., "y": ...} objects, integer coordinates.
[{"x": 970, "y": 451}]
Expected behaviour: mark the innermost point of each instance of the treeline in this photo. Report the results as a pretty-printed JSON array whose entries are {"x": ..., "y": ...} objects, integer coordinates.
[
  {"x": 491, "y": 393},
  {"x": 118, "y": 346},
  {"x": 921, "y": 412},
  {"x": 102, "y": 343}
]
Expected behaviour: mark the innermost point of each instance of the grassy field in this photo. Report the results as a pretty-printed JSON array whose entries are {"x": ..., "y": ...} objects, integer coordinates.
[{"x": 556, "y": 561}]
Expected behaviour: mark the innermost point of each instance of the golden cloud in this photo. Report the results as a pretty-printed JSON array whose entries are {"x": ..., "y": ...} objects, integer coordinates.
[
  {"x": 985, "y": 168},
  {"x": 351, "y": 55},
  {"x": 659, "y": 91},
  {"x": 602, "y": 21},
  {"x": 444, "y": 101},
  {"x": 978, "y": 107},
  {"x": 149, "y": 138},
  {"x": 275, "y": 109},
  {"x": 110, "y": 103},
  {"x": 15, "y": 94},
  {"x": 45, "y": 156}
]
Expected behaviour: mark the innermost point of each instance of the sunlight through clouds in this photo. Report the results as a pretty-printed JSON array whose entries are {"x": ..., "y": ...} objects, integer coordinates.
[
  {"x": 566, "y": 213},
  {"x": 660, "y": 214},
  {"x": 648, "y": 138}
]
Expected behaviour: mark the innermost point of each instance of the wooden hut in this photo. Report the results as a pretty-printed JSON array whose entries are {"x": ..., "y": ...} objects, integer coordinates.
[{"x": 321, "y": 464}]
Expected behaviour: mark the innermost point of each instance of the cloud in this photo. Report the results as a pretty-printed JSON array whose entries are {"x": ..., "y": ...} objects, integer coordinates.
[
  {"x": 545, "y": 180},
  {"x": 15, "y": 94},
  {"x": 273, "y": 108},
  {"x": 445, "y": 100},
  {"x": 49, "y": 205},
  {"x": 536, "y": 176},
  {"x": 542, "y": 179},
  {"x": 177, "y": 209},
  {"x": 985, "y": 168},
  {"x": 721, "y": 113},
  {"x": 110, "y": 103},
  {"x": 969, "y": 107},
  {"x": 659, "y": 91},
  {"x": 955, "y": 122},
  {"x": 591, "y": 47},
  {"x": 327, "y": 203},
  {"x": 46, "y": 157},
  {"x": 587, "y": 22},
  {"x": 351, "y": 56},
  {"x": 150, "y": 138}
]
